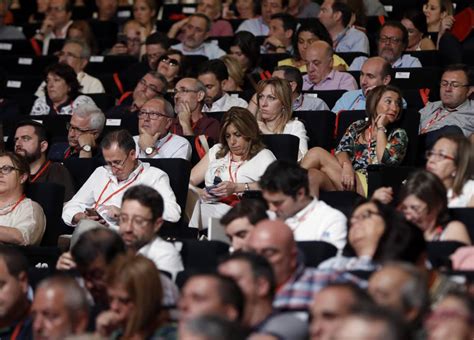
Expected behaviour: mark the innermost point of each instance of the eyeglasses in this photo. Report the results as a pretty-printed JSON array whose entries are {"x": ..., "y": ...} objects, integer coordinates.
[
  {"x": 417, "y": 209},
  {"x": 184, "y": 90},
  {"x": 363, "y": 216},
  {"x": 438, "y": 156},
  {"x": 60, "y": 54},
  {"x": 151, "y": 115},
  {"x": 6, "y": 169},
  {"x": 70, "y": 127},
  {"x": 392, "y": 40},
  {"x": 169, "y": 61},
  {"x": 152, "y": 87},
  {"x": 136, "y": 221},
  {"x": 55, "y": 9},
  {"x": 453, "y": 84},
  {"x": 117, "y": 164}
]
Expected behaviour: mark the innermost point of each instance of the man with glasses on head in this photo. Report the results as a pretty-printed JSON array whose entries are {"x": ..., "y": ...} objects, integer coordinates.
[
  {"x": 84, "y": 129},
  {"x": 392, "y": 41},
  {"x": 454, "y": 113},
  {"x": 76, "y": 53},
  {"x": 56, "y": 22},
  {"x": 149, "y": 86},
  {"x": 31, "y": 142},
  {"x": 100, "y": 198},
  {"x": 155, "y": 140},
  {"x": 189, "y": 95}
]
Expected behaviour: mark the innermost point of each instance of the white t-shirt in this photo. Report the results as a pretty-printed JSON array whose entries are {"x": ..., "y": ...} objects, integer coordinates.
[
  {"x": 462, "y": 200},
  {"x": 164, "y": 255}
]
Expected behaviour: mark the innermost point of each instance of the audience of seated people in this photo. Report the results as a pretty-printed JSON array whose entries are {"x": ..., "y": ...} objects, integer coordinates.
[{"x": 380, "y": 281}]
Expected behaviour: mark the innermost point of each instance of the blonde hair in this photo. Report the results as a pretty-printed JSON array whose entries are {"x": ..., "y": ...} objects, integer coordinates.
[
  {"x": 282, "y": 91},
  {"x": 233, "y": 68}
]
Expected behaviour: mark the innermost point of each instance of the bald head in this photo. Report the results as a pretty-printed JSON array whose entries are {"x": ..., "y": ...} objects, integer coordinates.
[
  {"x": 274, "y": 240},
  {"x": 374, "y": 72},
  {"x": 319, "y": 61}
]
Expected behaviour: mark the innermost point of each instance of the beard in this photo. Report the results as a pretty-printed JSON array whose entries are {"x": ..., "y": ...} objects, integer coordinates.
[{"x": 30, "y": 156}]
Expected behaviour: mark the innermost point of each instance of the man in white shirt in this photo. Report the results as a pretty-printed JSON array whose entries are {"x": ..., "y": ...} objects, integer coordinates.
[
  {"x": 76, "y": 54},
  {"x": 140, "y": 220},
  {"x": 285, "y": 187},
  {"x": 336, "y": 15},
  {"x": 56, "y": 22},
  {"x": 155, "y": 140},
  {"x": 280, "y": 37},
  {"x": 213, "y": 74},
  {"x": 196, "y": 31},
  {"x": 100, "y": 198},
  {"x": 260, "y": 26}
]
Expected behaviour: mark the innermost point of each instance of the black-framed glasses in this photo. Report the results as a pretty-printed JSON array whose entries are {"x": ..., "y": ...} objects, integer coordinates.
[
  {"x": 364, "y": 215},
  {"x": 6, "y": 169},
  {"x": 392, "y": 40},
  {"x": 170, "y": 61},
  {"x": 438, "y": 155},
  {"x": 117, "y": 164},
  {"x": 137, "y": 221},
  {"x": 69, "y": 127},
  {"x": 152, "y": 87},
  {"x": 151, "y": 115},
  {"x": 184, "y": 90},
  {"x": 453, "y": 84}
]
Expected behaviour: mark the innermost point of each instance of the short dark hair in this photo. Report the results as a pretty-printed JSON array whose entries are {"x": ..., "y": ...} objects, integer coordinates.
[
  {"x": 146, "y": 196},
  {"x": 39, "y": 128},
  {"x": 286, "y": 177},
  {"x": 254, "y": 210},
  {"x": 15, "y": 261},
  {"x": 248, "y": 45},
  {"x": 203, "y": 16},
  {"x": 67, "y": 73},
  {"x": 97, "y": 242},
  {"x": 396, "y": 24},
  {"x": 361, "y": 297},
  {"x": 259, "y": 265},
  {"x": 292, "y": 73},
  {"x": 315, "y": 27},
  {"x": 463, "y": 68},
  {"x": 122, "y": 138},
  {"x": 158, "y": 38},
  {"x": 289, "y": 21},
  {"x": 216, "y": 67},
  {"x": 346, "y": 11}
]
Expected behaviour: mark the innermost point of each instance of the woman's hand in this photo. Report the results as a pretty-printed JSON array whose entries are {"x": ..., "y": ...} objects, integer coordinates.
[
  {"x": 224, "y": 189},
  {"x": 65, "y": 262},
  {"x": 382, "y": 120},
  {"x": 348, "y": 177},
  {"x": 107, "y": 322},
  {"x": 119, "y": 49},
  {"x": 383, "y": 194},
  {"x": 446, "y": 24}
]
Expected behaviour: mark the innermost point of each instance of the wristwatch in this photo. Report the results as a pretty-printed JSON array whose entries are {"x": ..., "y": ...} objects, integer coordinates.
[
  {"x": 86, "y": 148},
  {"x": 149, "y": 150}
]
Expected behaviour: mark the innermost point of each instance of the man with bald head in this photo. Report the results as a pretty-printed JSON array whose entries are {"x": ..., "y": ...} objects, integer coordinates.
[
  {"x": 296, "y": 284},
  {"x": 155, "y": 140},
  {"x": 321, "y": 76},
  {"x": 375, "y": 71},
  {"x": 189, "y": 95}
]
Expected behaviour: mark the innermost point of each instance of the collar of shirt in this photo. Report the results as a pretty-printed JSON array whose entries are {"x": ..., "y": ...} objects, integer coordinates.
[
  {"x": 462, "y": 107},
  {"x": 217, "y": 105},
  {"x": 296, "y": 218},
  {"x": 140, "y": 166},
  {"x": 63, "y": 31},
  {"x": 399, "y": 62},
  {"x": 298, "y": 102},
  {"x": 160, "y": 142},
  {"x": 201, "y": 48},
  {"x": 80, "y": 76},
  {"x": 330, "y": 76}
]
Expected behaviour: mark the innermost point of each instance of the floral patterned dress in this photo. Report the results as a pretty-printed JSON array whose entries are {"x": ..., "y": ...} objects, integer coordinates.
[{"x": 397, "y": 142}]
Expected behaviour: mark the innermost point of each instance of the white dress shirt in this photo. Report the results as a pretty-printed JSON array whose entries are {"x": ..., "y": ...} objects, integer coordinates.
[
  {"x": 208, "y": 49},
  {"x": 224, "y": 103},
  {"x": 170, "y": 146},
  {"x": 164, "y": 255},
  {"x": 96, "y": 186}
]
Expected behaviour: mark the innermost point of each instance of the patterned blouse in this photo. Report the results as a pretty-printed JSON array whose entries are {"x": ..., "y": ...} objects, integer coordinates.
[{"x": 395, "y": 151}]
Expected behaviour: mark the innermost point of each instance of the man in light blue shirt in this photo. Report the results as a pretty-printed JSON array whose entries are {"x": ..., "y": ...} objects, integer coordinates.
[
  {"x": 336, "y": 15},
  {"x": 259, "y": 26},
  {"x": 392, "y": 41}
]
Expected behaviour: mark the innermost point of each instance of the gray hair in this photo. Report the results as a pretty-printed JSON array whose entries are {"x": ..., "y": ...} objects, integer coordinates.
[
  {"x": 158, "y": 76},
  {"x": 85, "y": 48},
  {"x": 95, "y": 115},
  {"x": 214, "y": 328},
  {"x": 75, "y": 299}
]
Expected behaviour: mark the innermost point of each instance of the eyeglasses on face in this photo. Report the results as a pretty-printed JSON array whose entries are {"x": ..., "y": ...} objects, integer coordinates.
[
  {"x": 142, "y": 114},
  {"x": 364, "y": 215},
  {"x": 453, "y": 84},
  {"x": 137, "y": 221},
  {"x": 184, "y": 90},
  {"x": 152, "y": 87},
  {"x": 392, "y": 40},
  {"x": 70, "y": 127},
  {"x": 7, "y": 169},
  {"x": 417, "y": 209},
  {"x": 117, "y": 164},
  {"x": 60, "y": 54},
  {"x": 169, "y": 61},
  {"x": 438, "y": 156}
]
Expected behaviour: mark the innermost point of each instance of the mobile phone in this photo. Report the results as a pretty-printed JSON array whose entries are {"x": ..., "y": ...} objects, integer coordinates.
[
  {"x": 93, "y": 212},
  {"x": 122, "y": 39}
]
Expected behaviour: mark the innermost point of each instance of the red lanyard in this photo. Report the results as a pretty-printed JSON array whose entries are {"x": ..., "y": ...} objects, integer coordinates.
[
  {"x": 16, "y": 331},
  {"x": 434, "y": 120},
  {"x": 353, "y": 106},
  {"x": 166, "y": 141},
  {"x": 16, "y": 204},
  {"x": 233, "y": 179},
  {"x": 69, "y": 152},
  {"x": 39, "y": 173},
  {"x": 97, "y": 203}
]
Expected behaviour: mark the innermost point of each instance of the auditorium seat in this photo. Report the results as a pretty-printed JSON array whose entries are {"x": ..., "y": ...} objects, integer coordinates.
[
  {"x": 284, "y": 147},
  {"x": 319, "y": 127},
  {"x": 316, "y": 252},
  {"x": 379, "y": 175}
]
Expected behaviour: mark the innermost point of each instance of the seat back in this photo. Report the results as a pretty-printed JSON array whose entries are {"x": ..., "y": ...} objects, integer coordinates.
[
  {"x": 466, "y": 216},
  {"x": 439, "y": 252},
  {"x": 284, "y": 147},
  {"x": 316, "y": 252},
  {"x": 379, "y": 175},
  {"x": 81, "y": 169},
  {"x": 50, "y": 196},
  {"x": 340, "y": 200},
  {"x": 319, "y": 127},
  {"x": 330, "y": 97}
]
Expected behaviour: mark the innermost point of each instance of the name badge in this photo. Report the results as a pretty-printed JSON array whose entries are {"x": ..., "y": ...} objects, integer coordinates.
[
  {"x": 6, "y": 46},
  {"x": 189, "y": 10},
  {"x": 96, "y": 59},
  {"x": 113, "y": 122},
  {"x": 25, "y": 61},
  {"x": 14, "y": 84},
  {"x": 124, "y": 14},
  {"x": 402, "y": 75}
]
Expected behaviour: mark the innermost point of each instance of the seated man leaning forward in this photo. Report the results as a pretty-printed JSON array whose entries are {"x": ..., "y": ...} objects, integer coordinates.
[
  {"x": 285, "y": 187},
  {"x": 99, "y": 199},
  {"x": 155, "y": 140},
  {"x": 22, "y": 220}
]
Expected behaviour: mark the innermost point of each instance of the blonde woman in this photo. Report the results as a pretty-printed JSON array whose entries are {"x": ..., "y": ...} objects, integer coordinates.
[{"x": 236, "y": 74}]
